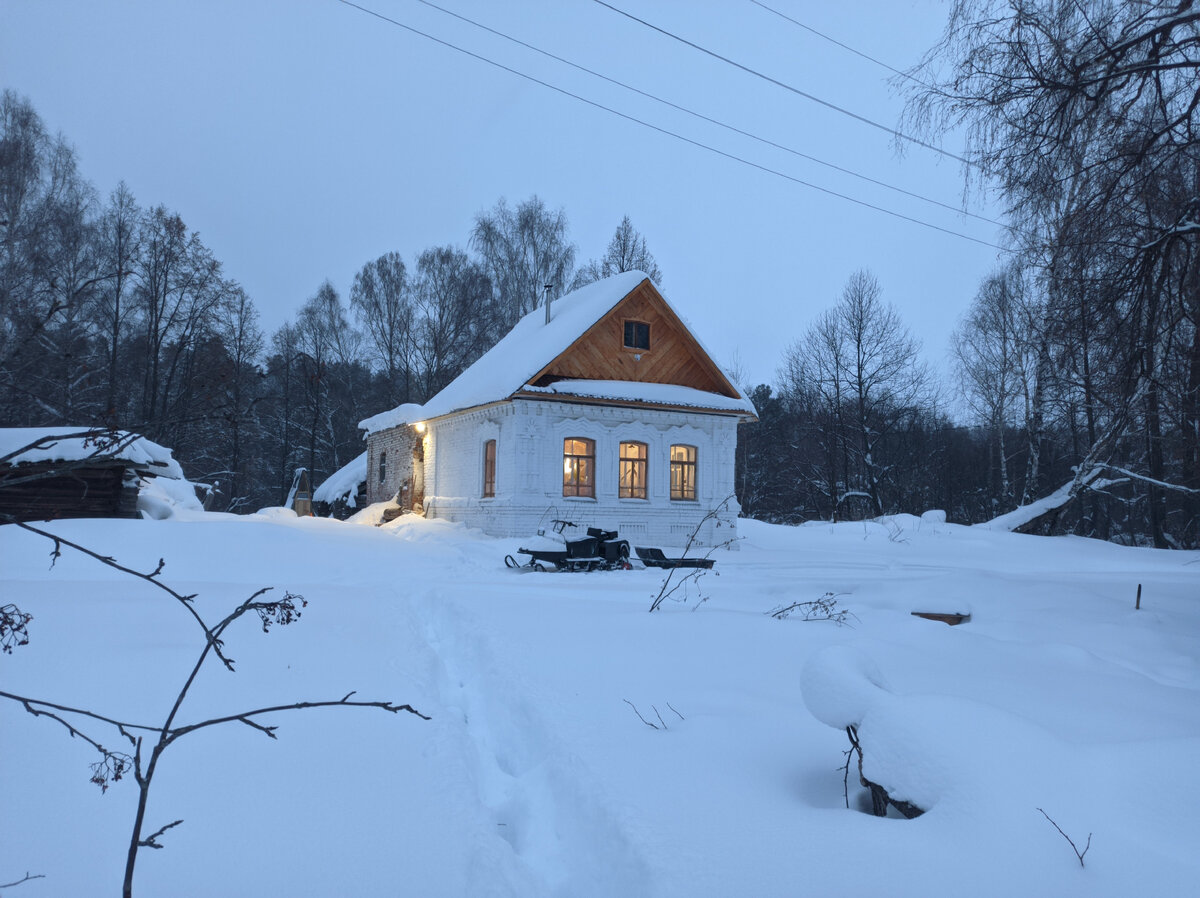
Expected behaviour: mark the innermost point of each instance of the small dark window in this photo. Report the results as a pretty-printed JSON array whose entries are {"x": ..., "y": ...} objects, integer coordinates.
[
  {"x": 382, "y": 466},
  {"x": 637, "y": 335},
  {"x": 489, "y": 468}
]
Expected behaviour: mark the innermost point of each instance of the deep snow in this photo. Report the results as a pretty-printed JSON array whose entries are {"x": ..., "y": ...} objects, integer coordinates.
[{"x": 535, "y": 777}]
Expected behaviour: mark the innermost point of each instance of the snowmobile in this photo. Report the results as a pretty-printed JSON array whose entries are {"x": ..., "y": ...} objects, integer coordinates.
[{"x": 600, "y": 550}]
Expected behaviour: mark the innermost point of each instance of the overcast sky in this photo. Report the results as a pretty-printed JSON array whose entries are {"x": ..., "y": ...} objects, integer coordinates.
[{"x": 302, "y": 139}]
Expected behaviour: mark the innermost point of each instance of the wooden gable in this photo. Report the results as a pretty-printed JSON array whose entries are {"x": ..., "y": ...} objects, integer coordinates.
[{"x": 673, "y": 357}]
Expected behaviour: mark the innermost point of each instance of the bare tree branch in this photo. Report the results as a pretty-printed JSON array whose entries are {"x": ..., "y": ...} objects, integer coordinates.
[
  {"x": 151, "y": 841},
  {"x": 639, "y": 714},
  {"x": 1079, "y": 854},
  {"x": 25, "y": 878}
]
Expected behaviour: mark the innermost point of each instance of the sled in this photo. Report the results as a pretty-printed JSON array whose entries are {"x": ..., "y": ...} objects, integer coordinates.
[{"x": 652, "y": 557}]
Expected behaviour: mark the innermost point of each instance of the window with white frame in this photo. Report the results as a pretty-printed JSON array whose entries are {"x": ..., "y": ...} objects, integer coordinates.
[
  {"x": 579, "y": 467},
  {"x": 683, "y": 472}
]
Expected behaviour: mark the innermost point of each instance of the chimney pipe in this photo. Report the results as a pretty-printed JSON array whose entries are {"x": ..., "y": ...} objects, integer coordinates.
[{"x": 546, "y": 301}]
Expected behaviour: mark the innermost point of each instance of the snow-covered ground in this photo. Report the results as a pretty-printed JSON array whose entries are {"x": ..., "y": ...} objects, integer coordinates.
[{"x": 536, "y": 777}]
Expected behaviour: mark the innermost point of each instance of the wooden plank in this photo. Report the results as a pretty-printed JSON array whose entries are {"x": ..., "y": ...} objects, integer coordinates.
[
  {"x": 674, "y": 356},
  {"x": 84, "y": 492},
  {"x": 953, "y": 618}
]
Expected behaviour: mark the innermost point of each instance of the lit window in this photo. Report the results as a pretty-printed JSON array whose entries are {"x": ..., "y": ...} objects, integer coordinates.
[
  {"x": 489, "y": 468},
  {"x": 633, "y": 471},
  {"x": 683, "y": 472},
  {"x": 382, "y": 466},
  {"x": 637, "y": 335},
  {"x": 579, "y": 467}
]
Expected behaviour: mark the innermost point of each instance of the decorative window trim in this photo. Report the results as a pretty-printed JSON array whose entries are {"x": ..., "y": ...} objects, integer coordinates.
[
  {"x": 683, "y": 472},
  {"x": 579, "y": 468},
  {"x": 632, "y": 470},
  {"x": 489, "y": 469}
]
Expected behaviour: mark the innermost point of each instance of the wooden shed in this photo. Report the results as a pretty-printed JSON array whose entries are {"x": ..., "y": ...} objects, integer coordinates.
[{"x": 76, "y": 472}]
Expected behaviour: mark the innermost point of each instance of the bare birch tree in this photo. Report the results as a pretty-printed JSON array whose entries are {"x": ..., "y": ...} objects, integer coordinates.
[{"x": 527, "y": 254}]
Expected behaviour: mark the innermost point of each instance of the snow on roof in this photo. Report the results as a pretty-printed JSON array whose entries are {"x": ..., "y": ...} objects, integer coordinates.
[
  {"x": 82, "y": 443},
  {"x": 343, "y": 483},
  {"x": 507, "y": 367},
  {"x": 409, "y": 412},
  {"x": 657, "y": 394}
]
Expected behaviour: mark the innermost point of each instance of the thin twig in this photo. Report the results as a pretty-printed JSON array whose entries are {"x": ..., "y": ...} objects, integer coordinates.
[
  {"x": 694, "y": 574},
  {"x": 151, "y": 841},
  {"x": 1079, "y": 854},
  {"x": 185, "y": 600},
  {"x": 296, "y": 706},
  {"x": 852, "y": 734},
  {"x": 28, "y": 876},
  {"x": 639, "y": 714},
  {"x": 67, "y": 709}
]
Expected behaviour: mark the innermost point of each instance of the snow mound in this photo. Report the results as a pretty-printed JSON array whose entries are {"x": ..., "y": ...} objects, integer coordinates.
[
  {"x": 275, "y": 513},
  {"x": 343, "y": 483},
  {"x": 839, "y": 684},
  {"x": 372, "y": 515},
  {"x": 161, "y": 498}
]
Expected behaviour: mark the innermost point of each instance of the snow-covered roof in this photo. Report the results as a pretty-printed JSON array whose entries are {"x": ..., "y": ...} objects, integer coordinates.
[
  {"x": 507, "y": 367},
  {"x": 343, "y": 483},
  {"x": 633, "y": 391},
  {"x": 81, "y": 443},
  {"x": 409, "y": 412}
]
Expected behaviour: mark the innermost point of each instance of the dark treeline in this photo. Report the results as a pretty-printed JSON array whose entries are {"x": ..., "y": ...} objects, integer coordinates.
[
  {"x": 1079, "y": 358},
  {"x": 1085, "y": 116},
  {"x": 855, "y": 430},
  {"x": 1076, "y": 366},
  {"x": 117, "y": 314}
]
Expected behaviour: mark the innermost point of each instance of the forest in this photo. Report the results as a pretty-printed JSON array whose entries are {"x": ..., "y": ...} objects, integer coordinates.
[{"x": 1076, "y": 362}]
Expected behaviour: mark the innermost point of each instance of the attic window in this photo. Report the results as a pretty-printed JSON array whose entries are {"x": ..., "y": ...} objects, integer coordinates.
[{"x": 637, "y": 335}]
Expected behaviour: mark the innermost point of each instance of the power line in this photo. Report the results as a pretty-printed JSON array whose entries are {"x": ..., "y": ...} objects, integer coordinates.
[
  {"x": 668, "y": 132},
  {"x": 788, "y": 87},
  {"x": 713, "y": 121},
  {"x": 834, "y": 40}
]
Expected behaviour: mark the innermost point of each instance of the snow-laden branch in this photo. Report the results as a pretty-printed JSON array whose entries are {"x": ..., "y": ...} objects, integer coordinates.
[{"x": 1162, "y": 484}]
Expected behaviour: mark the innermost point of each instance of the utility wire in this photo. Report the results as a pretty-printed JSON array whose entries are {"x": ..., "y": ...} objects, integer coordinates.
[
  {"x": 834, "y": 40},
  {"x": 669, "y": 133},
  {"x": 757, "y": 74},
  {"x": 713, "y": 121}
]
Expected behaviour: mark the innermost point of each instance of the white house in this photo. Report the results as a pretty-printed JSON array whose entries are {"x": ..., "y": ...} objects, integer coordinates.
[{"x": 604, "y": 410}]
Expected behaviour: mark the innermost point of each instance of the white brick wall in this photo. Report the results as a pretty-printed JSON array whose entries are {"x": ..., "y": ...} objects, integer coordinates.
[{"x": 529, "y": 438}]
